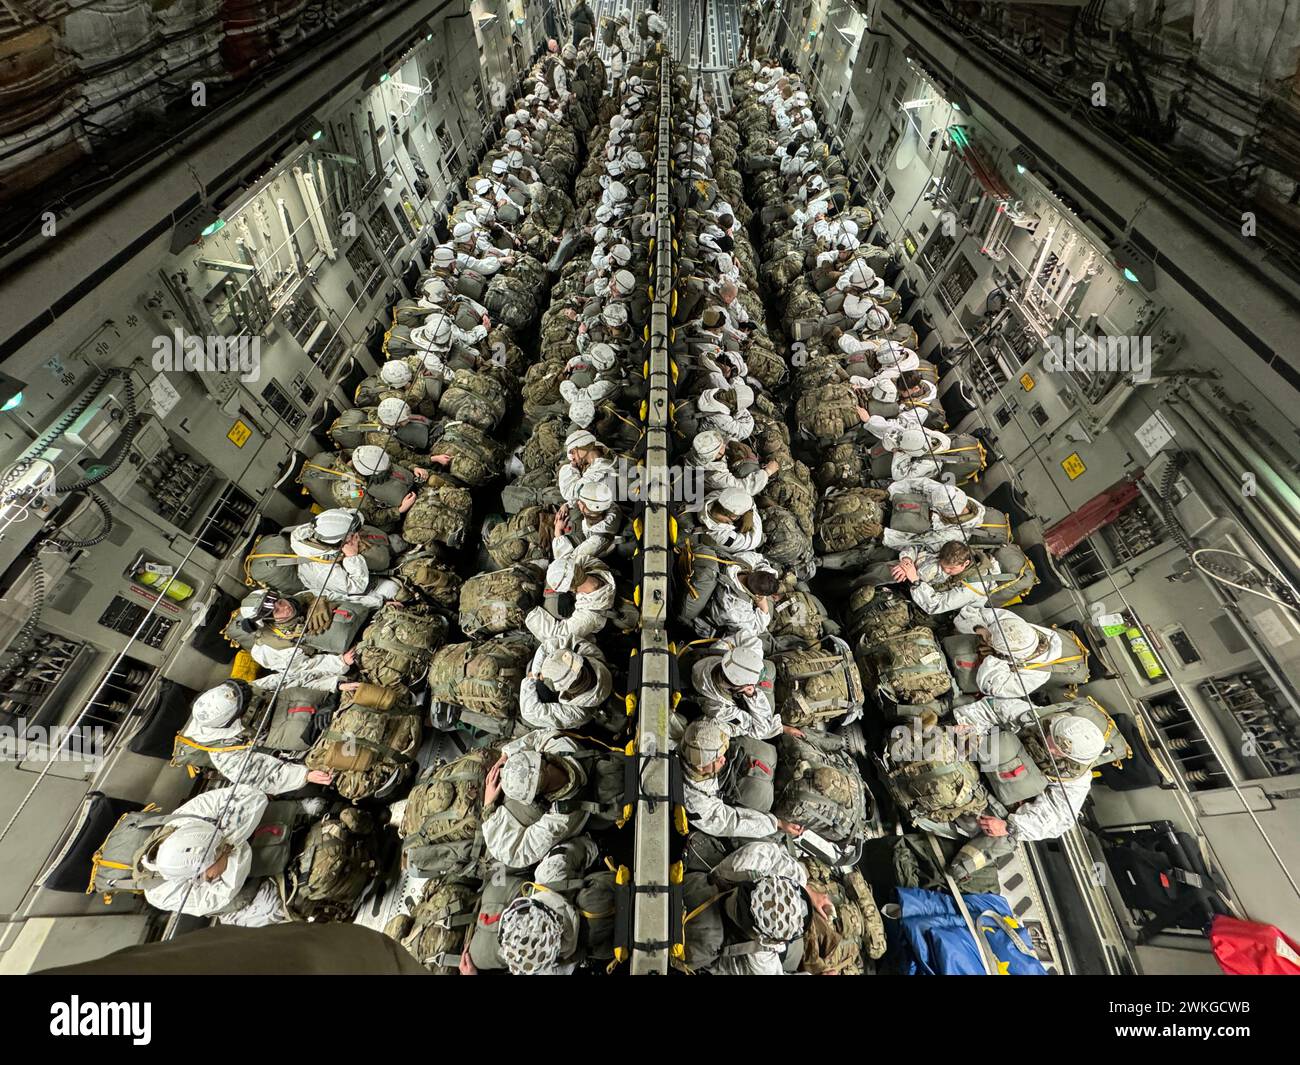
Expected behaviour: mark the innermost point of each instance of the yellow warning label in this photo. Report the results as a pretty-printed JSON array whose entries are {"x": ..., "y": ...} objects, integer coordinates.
[
  {"x": 1027, "y": 382},
  {"x": 239, "y": 434},
  {"x": 1073, "y": 466}
]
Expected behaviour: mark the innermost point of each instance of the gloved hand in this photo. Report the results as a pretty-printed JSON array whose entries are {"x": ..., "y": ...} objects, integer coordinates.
[{"x": 319, "y": 615}]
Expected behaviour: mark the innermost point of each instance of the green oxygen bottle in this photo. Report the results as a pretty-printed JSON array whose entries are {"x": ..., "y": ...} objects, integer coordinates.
[{"x": 1143, "y": 653}]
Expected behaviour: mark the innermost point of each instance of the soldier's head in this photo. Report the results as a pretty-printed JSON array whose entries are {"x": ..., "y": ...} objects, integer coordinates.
[
  {"x": 463, "y": 234},
  {"x": 393, "y": 413},
  {"x": 583, "y": 447},
  {"x": 371, "y": 461},
  {"x": 570, "y": 575},
  {"x": 530, "y": 776},
  {"x": 731, "y": 506},
  {"x": 909, "y": 384},
  {"x": 564, "y": 672},
  {"x": 703, "y": 749},
  {"x": 708, "y": 446},
  {"x": 775, "y": 908},
  {"x": 728, "y": 293},
  {"x": 1075, "y": 738},
  {"x": 529, "y": 938},
  {"x": 395, "y": 373},
  {"x": 761, "y": 582},
  {"x": 265, "y": 605},
  {"x": 741, "y": 667},
  {"x": 191, "y": 852},
  {"x": 595, "y": 500},
  {"x": 219, "y": 706},
  {"x": 333, "y": 527},
  {"x": 955, "y": 557}
]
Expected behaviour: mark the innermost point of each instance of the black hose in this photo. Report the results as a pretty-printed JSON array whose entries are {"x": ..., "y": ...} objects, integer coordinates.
[{"x": 99, "y": 537}]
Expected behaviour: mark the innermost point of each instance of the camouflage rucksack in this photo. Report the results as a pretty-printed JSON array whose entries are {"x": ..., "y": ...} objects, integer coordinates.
[
  {"x": 371, "y": 741},
  {"x": 855, "y": 932},
  {"x": 820, "y": 685},
  {"x": 396, "y": 646},
  {"x": 474, "y": 397},
  {"x": 443, "y": 814},
  {"x": 876, "y": 613},
  {"x": 338, "y": 859},
  {"x": 521, "y": 537},
  {"x": 511, "y": 296},
  {"x": 440, "y": 515},
  {"x": 497, "y": 601},
  {"x": 542, "y": 383},
  {"x": 544, "y": 449},
  {"x": 827, "y": 412},
  {"x": 792, "y": 489},
  {"x": 476, "y": 458},
  {"x": 935, "y": 783},
  {"x": 506, "y": 351},
  {"x": 797, "y": 619},
  {"x": 850, "y": 518},
  {"x": 786, "y": 544},
  {"x": 438, "y": 929},
  {"x": 425, "y": 578},
  {"x": 842, "y": 467},
  {"x": 482, "y": 679},
  {"x": 908, "y": 667},
  {"x": 819, "y": 786}
]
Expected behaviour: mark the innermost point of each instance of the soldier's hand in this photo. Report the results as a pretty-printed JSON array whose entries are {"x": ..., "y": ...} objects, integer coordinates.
[
  {"x": 349, "y": 685},
  {"x": 320, "y": 776},
  {"x": 319, "y": 616},
  {"x": 863, "y": 414},
  {"x": 351, "y": 546},
  {"x": 773, "y": 467},
  {"x": 420, "y": 473},
  {"x": 466, "y": 966},
  {"x": 349, "y": 657},
  {"x": 789, "y": 827},
  {"x": 821, "y": 903},
  {"x": 790, "y": 730},
  {"x": 441, "y": 460},
  {"x": 992, "y": 826},
  {"x": 486, "y": 320},
  {"x": 408, "y": 501}
]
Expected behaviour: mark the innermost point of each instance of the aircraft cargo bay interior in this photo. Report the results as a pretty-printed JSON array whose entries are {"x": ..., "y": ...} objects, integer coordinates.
[{"x": 629, "y": 487}]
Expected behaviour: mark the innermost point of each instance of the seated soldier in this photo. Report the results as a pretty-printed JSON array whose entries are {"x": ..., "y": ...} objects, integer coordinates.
[
  {"x": 216, "y": 722},
  {"x": 915, "y": 453},
  {"x": 532, "y": 781},
  {"x": 765, "y": 904},
  {"x": 565, "y": 689},
  {"x": 953, "y": 514},
  {"x": 731, "y": 519},
  {"x": 199, "y": 864},
  {"x": 1014, "y": 647},
  {"x": 589, "y": 461},
  {"x": 727, "y": 410},
  {"x": 539, "y": 930},
  {"x": 1063, "y": 746},
  {"x": 709, "y": 454},
  {"x": 742, "y": 599},
  {"x": 595, "y": 533},
  {"x": 731, "y": 690},
  {"x": 714, "y": 802},
  {"x": 592, "y": 587},
  {"x": 280, "y": 627},
  {"x": 952, "y": 578},
  {"x": 386, "y": 491},
  {"x": 332, "y": 566}
]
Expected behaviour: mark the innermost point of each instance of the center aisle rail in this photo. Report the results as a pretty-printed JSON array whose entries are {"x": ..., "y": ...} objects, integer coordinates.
[{"x": 652, "y": 937}]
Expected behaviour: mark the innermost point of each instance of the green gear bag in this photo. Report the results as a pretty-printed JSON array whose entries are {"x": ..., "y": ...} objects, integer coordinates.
[
  {"x": 396, "y": 646},
  {"x": 482, "y": 679},
  {"x": 371, "y": 742},
  {"x": 523, "y": 537},
  {"x": 339, "y": 857},
  {"x": 438, "y": 929},
  {"x": 826, "y": 413},
  {"x": 749, "y": 774},
  {"x": 476, "y": 397},
  {"x": 850, "y": 519},
  {"x": 819, "y": 786},
  {"x": 476, "y": 458},
  {"x": 426, "y": 579},
  {"x": 855, "y": 934},
  {"x": 816, "y": 686},
  {"x": 908, "y": 667},
  {"x": 443, "y": 815},
  {"x": 441, "y": 514},
  {"x": 935, "y": 783},
  {"x": 497, "y": 601},
  {"x": 798, "y": 619}
]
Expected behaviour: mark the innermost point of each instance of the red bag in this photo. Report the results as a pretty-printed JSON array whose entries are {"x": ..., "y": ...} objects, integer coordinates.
[{"x": 1246, "y": 948}]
